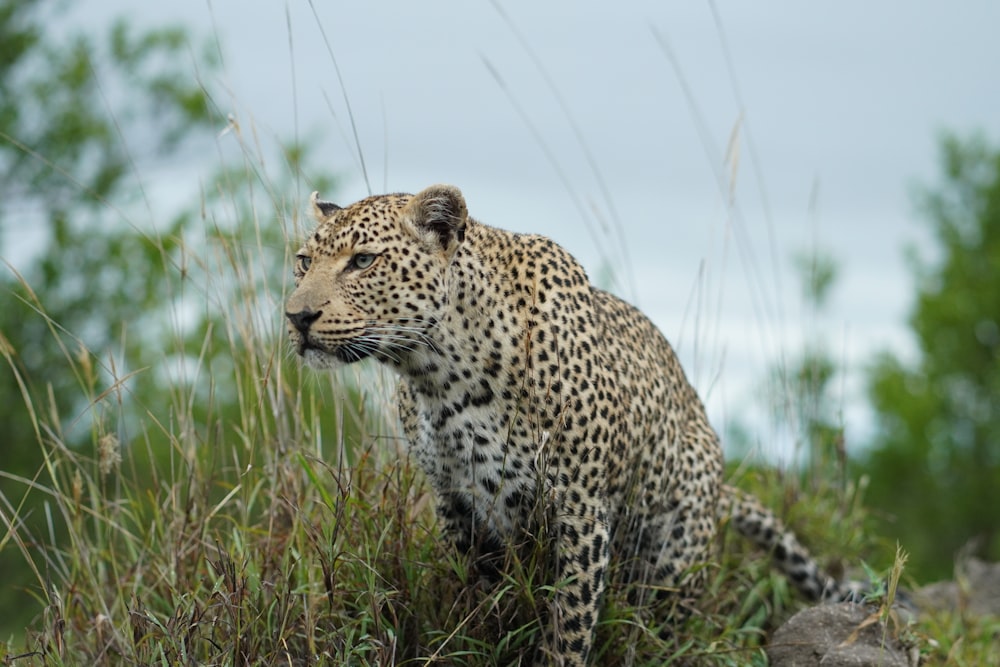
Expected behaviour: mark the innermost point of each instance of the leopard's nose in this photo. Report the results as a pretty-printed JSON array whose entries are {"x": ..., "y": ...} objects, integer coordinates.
[{"x": 303, "y": 319}]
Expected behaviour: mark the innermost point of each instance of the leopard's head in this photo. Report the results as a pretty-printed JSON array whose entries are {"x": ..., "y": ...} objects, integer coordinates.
[{"x": 371, "y": 281}]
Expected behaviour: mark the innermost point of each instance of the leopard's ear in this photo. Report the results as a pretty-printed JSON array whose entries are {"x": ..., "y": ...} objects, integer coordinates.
[
  {"x": 321, "y": 209},
  {"x": 440, "y": 216}
]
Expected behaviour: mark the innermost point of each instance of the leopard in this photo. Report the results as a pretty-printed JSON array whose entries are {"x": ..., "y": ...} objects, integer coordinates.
[{"x": 522, "y": 384}]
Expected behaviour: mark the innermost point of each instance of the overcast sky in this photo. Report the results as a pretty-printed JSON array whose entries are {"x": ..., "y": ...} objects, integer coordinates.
[{"x": 724, "y": 141}]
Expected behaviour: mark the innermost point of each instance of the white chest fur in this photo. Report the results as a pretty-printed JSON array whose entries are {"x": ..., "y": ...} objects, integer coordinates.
[{"x": 468, "y": 456}]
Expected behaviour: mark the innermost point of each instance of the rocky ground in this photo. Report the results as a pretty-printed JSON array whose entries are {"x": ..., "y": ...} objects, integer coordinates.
[{"x": 854, "y": 635}]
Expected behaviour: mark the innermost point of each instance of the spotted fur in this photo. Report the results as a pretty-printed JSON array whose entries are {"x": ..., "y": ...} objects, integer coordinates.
[{"x": 522, "y": 383}]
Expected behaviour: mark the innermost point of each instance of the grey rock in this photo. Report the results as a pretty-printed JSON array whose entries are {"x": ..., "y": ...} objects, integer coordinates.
[
  {"x": 836, "y": 635},
  {"x": 977, "y": 589}
]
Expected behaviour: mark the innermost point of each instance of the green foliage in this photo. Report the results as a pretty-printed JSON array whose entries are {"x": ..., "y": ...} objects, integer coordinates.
[
  {"x": 116, "y": 324},
  {"x": 806, "y": 384},
  {"x": 958, "y": 638},
  {"x": 799, "y": 389},
  {"x": 935, "y": 463},
  {"x": 66, "y": 108},
  {"x": 818, "y": 274},
  {"x": 64, "y": 181},
  {"x": 223, "y": 549}
]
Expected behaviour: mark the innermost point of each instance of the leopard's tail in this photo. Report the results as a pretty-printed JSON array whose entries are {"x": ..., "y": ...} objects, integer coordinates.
[{"x": 760, "y": 525}]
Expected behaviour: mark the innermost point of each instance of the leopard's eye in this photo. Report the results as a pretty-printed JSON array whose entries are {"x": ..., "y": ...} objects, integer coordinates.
[
  {"x": 304, "y": 262},
  {"x": 362, "y": 260}
]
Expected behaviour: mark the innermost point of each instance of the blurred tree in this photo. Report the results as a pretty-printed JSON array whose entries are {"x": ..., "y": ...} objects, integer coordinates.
[
  {"x": 66, "y": 108},
  {"x": 78, "y": 269},
  {"x": 805, "y": 385},
  {"x": 935, "y": 461},
  {"x": 102, "y": 286},
  {"x": 798, "y": 389}
]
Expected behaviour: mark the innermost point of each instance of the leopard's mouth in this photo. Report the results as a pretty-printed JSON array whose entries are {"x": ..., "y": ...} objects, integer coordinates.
[
  {"x": 350, "y": 353},
  {"x": 305, "y": 344},
  {"x": 315, "y": 353}
]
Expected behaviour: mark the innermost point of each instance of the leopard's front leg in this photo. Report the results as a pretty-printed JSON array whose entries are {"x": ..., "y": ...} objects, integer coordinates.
[{"x": 582, "y": 564}]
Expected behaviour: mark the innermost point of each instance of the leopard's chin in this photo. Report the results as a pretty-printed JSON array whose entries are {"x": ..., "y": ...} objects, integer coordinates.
[{"x": 319, "y": 359}]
